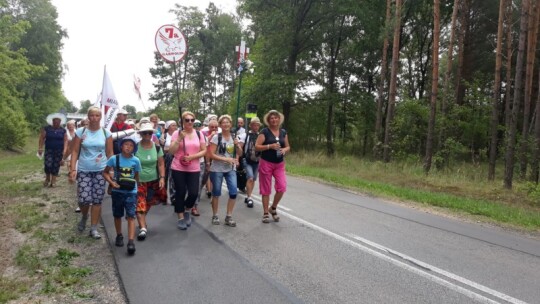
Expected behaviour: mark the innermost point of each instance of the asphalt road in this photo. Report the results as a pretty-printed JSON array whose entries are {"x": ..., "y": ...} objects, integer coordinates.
[{"x": 331, "y": 246}]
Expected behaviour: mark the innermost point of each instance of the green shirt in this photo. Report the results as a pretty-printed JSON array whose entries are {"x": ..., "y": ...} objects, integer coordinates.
[{"x": 148, "y": 158}]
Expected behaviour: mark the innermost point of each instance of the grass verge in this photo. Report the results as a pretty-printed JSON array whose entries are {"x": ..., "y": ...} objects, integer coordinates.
[{"x": 462, "y": 190}]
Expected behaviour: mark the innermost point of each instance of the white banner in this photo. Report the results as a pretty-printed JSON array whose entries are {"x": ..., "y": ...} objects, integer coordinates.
[{"x": 108, "y": 98}]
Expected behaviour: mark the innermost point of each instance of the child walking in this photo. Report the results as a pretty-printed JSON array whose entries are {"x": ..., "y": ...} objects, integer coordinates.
[{"x": 126, "y": 168}]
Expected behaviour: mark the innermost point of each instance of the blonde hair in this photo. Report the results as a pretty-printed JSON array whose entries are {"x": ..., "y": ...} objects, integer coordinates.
[
  {"x": 153, "y": 115},
  {"x": 93, "y": 109},
  {"x": 186, "y": 113},
  {"x": 225, "y": 116}
]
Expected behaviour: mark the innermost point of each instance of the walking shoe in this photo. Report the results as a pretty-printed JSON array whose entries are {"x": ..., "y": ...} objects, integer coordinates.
[
  {"x": 77, "y": 210},
  {"x": 209, "y": 194},
  {"x": 195, "y": 211},
  {"x": 142, "y": 234},
  {"x": 266, "y": 218},
  {"x": 187, "y": 219},
  {"x": 119, "y": 241},
  {"x": 181, "y": 224},
  {"x": 82, "y": 224},
  {"x": 131, "y": 247},
  {"x": 215, "y": 220},
  {"x": 250, "y": 203},
  {"x": 94, "y": 234},
  {"x": 229, "y": 221},
  {"x": 246, "y": 200}
]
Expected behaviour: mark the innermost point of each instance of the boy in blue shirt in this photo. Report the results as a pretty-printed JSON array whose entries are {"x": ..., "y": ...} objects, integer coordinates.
[{"x": 126, "y": 168}]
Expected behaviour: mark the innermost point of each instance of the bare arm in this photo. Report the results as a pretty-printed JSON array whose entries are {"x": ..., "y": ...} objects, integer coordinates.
[
  {"x": 41, "y": 141},
  {"x": 76, "y": 148}
]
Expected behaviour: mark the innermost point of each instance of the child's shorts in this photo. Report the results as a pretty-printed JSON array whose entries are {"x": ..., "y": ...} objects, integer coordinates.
[{"x": 123, "y": 201}]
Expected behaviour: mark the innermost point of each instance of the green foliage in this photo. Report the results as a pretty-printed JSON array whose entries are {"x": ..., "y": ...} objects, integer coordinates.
[
  {"x": 409, "y": 128},
  {"x": 11, "y": 289}
]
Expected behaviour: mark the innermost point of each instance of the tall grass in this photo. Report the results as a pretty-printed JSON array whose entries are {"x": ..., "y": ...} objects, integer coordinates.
[{"x": 463, "y": 189}]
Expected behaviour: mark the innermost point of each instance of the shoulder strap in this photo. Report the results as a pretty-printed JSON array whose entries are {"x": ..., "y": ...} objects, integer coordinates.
[
  {"x": 117, "y": 166},
  {"x": 157, "y": 148},
  {"x": 198, "y": 135},
  {"x": 219, "y": 137}
]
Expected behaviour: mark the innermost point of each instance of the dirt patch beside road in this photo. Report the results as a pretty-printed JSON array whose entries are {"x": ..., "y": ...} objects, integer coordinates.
[{"x": 44, "y": 258}]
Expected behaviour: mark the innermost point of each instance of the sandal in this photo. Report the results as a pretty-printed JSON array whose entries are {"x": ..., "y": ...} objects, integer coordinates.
[
  {"x": 46, "y": 183},
  {"x": 273, "y": 212},
  {"x": 266, "y": 218}
]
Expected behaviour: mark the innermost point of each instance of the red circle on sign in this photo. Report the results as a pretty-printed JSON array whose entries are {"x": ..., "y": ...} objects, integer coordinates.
[{"x": 171, "y": 43}]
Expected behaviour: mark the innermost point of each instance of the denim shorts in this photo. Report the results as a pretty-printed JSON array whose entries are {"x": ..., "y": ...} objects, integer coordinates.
[
  {"x": 217, "y": 180},
  {"x": 252, "y": 170},
  {"x": 123, "y": 201}
]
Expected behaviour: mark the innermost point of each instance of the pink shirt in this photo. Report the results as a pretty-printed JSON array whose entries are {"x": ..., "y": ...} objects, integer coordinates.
[{"x": 193, "y": 146}]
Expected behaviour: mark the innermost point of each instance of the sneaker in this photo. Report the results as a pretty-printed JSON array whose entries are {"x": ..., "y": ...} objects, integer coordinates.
[
  {"x": 209, "y": 194},
  {"x": 82, "y": 224},
  {"x": 215, "y": 220},
  {"x": 119, "y": 241},
  {"x": 195, "y": 211},
  {"x": 187, "y": 219},
  {"x": 77, "y": 210},
  {"x": 131, "y": 248},
  {"x": 181, "y": 224},
  {"x": 229, "y": 221},
  {"x": 246, "y": 200},
  {"x": 142, "y": 234},
  {"x": 250, "y": 203},
  {"x": 95, "y": 234}
]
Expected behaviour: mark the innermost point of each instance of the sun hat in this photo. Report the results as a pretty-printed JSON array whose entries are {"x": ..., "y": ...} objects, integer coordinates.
[
  {"x": 255, "y": 120},
  {"x": 122, "y": 111},
  {"x": 60, "y": 116},
  {"x": 169, "y": 123},
  {"x": 197, "y": 123},
  {"x": 144, "y": 119},
  {"x": 147, "y": 126},
  {"x": 125, "y": 139},
  {"x": 161, "y": 122},
  {"x": 271, "y": 112}
]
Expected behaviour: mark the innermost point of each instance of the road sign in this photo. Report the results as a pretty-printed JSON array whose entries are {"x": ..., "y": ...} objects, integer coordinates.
[{"x": 171, "y": 43}]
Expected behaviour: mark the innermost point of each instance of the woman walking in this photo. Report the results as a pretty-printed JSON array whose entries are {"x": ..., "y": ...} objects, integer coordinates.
[
  {"x": 54, "y": 138},
  {"x": 170, "y": 127},
  {"x": 92, "y": 146},
  {"x": 151, "y": 189},
  {"x": 224, "y": 162},
  {"x": 273, "y": 143},
  {"x": 187, "y": 146}
]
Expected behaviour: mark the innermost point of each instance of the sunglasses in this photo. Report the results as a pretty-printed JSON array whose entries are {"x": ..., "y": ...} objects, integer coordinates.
[
  {"x": 197, "y": 125},
  {"x": 146, "y": 133},
  {"x": 189, "y": 120}
]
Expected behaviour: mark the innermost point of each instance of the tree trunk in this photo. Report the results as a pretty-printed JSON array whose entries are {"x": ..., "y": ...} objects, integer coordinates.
[
  {"x": 334, "y": 52},
  {"x": 384, "y": 64},
  {"x": 393, "y": 82},
  {"x": 536, "y": 143},
  {"x": 511, "y": 142},
  {"x": 464, "y": 18},
  {"x": 434, "y": 85},
  {"x": 496, "y": 94},
  {"x": 529, "y": 70},
  {"x": 509, "y": 54},
  {"x": 450, "y": 57}
]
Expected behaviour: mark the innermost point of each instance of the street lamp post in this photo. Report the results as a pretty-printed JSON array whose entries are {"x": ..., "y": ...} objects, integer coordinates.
[{"x": 242, "y": 52}]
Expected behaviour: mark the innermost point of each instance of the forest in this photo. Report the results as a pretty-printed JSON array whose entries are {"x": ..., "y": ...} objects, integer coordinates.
[{"x": 436, "y": 82}]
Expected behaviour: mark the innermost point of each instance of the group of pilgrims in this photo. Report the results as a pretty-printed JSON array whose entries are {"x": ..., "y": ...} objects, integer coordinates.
[{"x": 150, "y": 162}]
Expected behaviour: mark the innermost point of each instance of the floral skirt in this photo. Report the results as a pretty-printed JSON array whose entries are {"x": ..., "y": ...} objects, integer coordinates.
[{"x": 52, "y": 161}]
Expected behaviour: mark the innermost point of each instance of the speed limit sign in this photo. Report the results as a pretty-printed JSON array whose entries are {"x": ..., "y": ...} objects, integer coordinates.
[{"x": 171, "y": 43}]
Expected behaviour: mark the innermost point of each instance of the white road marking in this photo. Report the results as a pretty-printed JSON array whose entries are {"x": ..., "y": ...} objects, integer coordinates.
[
  {"x": 469, "y": 293},
  {"x": 440, "y": 271}
]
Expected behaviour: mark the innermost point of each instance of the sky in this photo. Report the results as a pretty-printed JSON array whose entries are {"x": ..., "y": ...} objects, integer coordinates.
[{"x": 120, "y": 35}]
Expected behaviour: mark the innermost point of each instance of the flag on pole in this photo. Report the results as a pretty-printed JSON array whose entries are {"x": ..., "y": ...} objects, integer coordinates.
[{"x": 109, "y": 103}]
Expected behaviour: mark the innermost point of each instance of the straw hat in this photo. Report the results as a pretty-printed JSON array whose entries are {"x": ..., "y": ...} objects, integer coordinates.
[
  {"x": 255, "y": 120},
  {"x": 60, "y": 116},
  {"x": 271, "y": 112},
  {"x": 146, "y": 126}
]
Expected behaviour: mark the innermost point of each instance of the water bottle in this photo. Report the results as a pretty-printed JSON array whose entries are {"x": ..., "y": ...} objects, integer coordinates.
[{"x": 278, "y": 151}]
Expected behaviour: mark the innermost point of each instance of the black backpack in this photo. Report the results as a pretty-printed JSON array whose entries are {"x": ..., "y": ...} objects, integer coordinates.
[{"x": 252, "y": 156}]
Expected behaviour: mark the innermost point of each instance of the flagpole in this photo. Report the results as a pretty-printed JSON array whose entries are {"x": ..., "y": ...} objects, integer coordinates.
[{"x": 178, "y": 94}]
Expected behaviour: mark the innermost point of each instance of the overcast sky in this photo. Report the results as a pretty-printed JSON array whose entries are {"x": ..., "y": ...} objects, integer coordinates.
[{"x": 119, "y": 34}]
